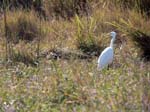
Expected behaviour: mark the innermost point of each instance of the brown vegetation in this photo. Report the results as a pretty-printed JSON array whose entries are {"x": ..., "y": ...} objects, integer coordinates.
[{"x": 58, "y": 71}]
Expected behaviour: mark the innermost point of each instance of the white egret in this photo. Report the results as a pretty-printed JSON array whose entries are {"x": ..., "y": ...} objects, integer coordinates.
[{"x": 106, "y": 56}]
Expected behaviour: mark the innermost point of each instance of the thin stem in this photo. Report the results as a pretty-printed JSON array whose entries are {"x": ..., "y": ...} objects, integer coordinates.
[
  {"x": 5, "y": 26},
  {"x": 39, "y": 36},
  {"x": 38, "y": 45}
]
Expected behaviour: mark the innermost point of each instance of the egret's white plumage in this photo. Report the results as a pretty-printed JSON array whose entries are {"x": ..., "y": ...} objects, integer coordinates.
[{"x": 106, "y": 56}]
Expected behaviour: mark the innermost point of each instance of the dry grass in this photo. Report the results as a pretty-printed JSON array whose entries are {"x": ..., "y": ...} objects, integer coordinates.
[
  {"x": 22, "y": 25},
  {"x": 66, "y": 9},
  {"x": 73, "y": 84}
]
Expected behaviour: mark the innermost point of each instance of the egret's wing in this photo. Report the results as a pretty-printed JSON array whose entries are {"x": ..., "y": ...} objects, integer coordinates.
[{"x": 106, "y": 57}]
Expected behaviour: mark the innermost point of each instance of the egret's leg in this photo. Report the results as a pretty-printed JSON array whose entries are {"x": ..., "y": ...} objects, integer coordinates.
[
  {"x": 108, "y": 67},
  {"x": 111, "y": 65}
]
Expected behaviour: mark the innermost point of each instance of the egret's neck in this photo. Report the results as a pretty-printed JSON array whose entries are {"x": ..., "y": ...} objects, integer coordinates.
[{"x": 112, "y": 42}]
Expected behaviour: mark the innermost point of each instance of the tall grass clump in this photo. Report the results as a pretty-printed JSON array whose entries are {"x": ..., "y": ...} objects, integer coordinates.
[{"x": 87, "y": 41}]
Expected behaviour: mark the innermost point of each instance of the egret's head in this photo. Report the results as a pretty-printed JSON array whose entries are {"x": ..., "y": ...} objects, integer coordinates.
[{"x": 113, "y": 34}]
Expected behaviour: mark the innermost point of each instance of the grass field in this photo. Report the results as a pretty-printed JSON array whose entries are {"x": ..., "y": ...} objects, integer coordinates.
[{"x": 52, "y": 65}]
